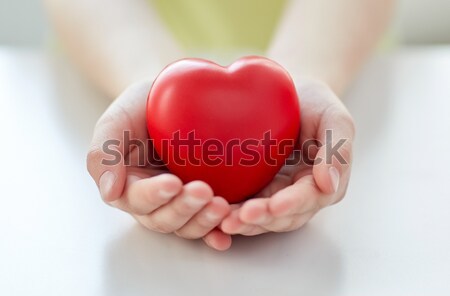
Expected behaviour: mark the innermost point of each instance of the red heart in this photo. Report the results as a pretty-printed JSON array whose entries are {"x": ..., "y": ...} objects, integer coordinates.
[{"x": 211, "y": 123}]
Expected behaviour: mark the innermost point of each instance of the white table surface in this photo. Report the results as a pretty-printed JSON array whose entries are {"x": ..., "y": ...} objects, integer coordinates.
[{"x": 390, "y": 235}]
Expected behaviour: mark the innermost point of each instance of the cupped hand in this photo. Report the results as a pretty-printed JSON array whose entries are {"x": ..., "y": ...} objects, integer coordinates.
[
  {"x": 130, "y": 181},
  {"x": 316, "y": 180}
]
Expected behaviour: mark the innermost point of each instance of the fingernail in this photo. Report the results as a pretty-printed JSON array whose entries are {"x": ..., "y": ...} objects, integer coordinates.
[
  {"x": 106, "y": 183},
  {"x": 334, "y": 177},
  {"x": 212, "y": 216},
  {"x": 193, "y": 201},
  {"x": 165, "y": 194},
  {"x": 261, "y": 220}
]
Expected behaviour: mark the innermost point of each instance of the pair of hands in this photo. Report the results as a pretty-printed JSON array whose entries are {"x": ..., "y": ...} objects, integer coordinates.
[{"x": 160, "y": 202}]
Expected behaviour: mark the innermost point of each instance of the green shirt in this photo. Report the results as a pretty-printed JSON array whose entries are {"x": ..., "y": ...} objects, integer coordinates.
[{"x": 221, "y": 24}]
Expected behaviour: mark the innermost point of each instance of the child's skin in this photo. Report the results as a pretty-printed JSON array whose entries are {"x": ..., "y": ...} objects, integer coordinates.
[{"x": 322, "y": 44}]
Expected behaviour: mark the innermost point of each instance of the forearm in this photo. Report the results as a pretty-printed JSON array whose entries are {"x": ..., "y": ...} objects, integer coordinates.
[
  {"x": 114, "y": 42},
  {"x": 329, "y": 40}
]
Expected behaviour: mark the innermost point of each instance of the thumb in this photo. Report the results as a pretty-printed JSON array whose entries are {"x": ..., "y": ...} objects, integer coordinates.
[
  {"x": 332, "y": 164},
  {"x": 105, "y": 159}
]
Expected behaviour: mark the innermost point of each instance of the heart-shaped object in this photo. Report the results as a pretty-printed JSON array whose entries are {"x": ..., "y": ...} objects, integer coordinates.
[{"x": 231, "y": 127}]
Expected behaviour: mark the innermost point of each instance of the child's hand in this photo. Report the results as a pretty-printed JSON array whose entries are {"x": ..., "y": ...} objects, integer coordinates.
[
  {"x": 298, "y": 192},
  {"x": 157, "y": 199}
]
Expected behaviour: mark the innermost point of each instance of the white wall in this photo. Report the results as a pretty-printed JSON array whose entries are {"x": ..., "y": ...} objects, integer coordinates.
[
  {"x": 423, "y": 21},
  {"x": 23, "y": 23}
]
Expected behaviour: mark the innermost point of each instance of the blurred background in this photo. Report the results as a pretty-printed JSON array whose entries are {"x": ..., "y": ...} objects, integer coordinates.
[{"x": 23, "y": 23}]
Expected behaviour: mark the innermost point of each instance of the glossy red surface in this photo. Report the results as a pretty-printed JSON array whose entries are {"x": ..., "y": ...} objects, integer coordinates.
[{"x": 221, "y": 116}]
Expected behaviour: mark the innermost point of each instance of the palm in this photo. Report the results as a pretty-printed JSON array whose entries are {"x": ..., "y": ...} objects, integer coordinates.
[
  {"x": 300, "y": 163},
  {"x": 161, "y": 202},
  {"x": 301, "y": 189},
  {"x": 140, "y": 185}
]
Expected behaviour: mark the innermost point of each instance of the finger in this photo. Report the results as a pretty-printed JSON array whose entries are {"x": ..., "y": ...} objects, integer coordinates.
[
  {"x": 256, "y": 212},
  {"x": 256, "y": 230},
  {"x": 146, "y": 195},
  {"x": 331, "y": 168},
  {"x": 280, "y": 181},
  {"x": 289, "y": 223},
  {"x": 106, "y": 167},
  {"x": 173, "y": 215},
  {"x": 301, "y": 197},
  {"x": 218, "y": 240},
  {"x": 233, "y": 225},
  {"x": 206, "y": 220}
]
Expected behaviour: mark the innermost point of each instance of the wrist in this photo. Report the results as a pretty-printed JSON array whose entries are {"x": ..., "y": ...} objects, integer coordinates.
[{"x": 306, "y": 72}]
